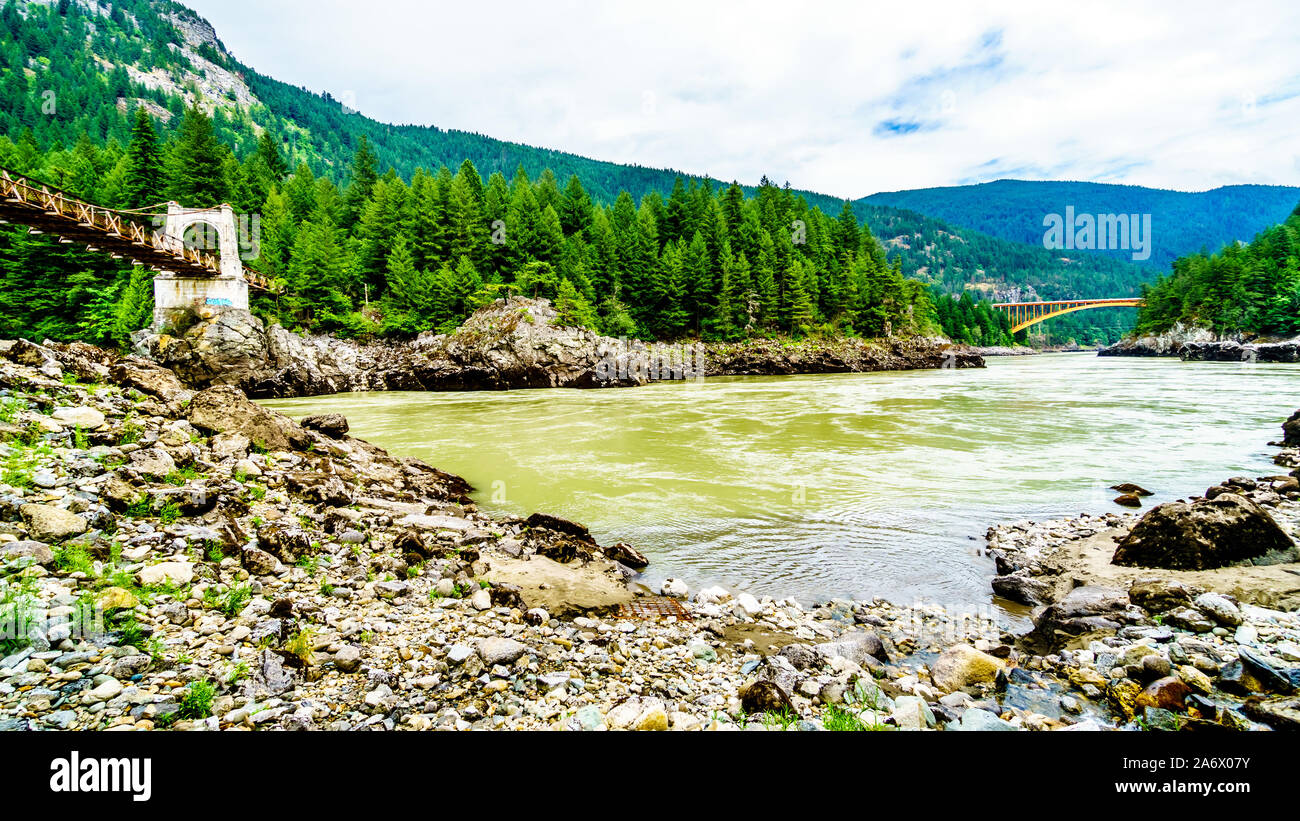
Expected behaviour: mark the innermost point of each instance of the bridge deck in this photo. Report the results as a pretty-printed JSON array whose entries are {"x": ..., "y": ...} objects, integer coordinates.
[{"x": 46, "y": 209}]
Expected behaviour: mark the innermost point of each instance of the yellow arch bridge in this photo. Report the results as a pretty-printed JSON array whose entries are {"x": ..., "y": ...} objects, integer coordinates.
[{"x": 1025, "y": 314}]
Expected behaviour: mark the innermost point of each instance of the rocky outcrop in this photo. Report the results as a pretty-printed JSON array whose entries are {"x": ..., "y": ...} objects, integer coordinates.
[
  {"x": 515, "y": 343},
  {"x": 1207, "y": 533},
  {"x": 1230, "y": 351},
  {"x": 1291, "y": 431},
  {"x": 1165, "y": 344},
  {"x": 225, "y": 410},
  {"x": 769, "y": 357},
  {"x": 1201, "y": 345}
]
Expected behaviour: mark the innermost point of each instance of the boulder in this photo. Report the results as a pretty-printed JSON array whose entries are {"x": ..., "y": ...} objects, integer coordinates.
[
  {"x": 764, "y": 696},
  {"x": 150, "y": 379},
  {"x": 1168, "y": 693},
  {"x": 35, "y": 356},
  {"x": 152, "y": 463},
  {"x": 228, "y": 410},
  {"x": 230, "y": 446},
  {"x": 348, "y": 659},
  {"x": 628, "y": 555},
  {"x": 1023, "y": 589},
  {"x": 81, "y": 417},
  {"x": 1082, "y": 612},
  {"x": 962, "y": 666},
  {"x": 497, "y": 650},
  {"x": 1220, "y": 608},
  {"x": 287, "y": 541},
  {"x": 39, "y": 552},
  {"x": 333, "y": 425},
  {"x": 1205, "y": 534},
  {"x": 168, "y": 572},
  {"x": 1274, "y": 676},
  {"x": 319, "y": 488},
  {"x": 115, "y": 598},
  {"x": 121, "y": 495},
  {"x": 47, "y": 523},
  {"x": 862, "y": 647},
  {"x": 1291, "y": 430},
  {"x": 977, "y": 720},
  {"x": 1128, "y": 488},
  {"x": 258, "y": 562},
  {"x": 559, "y": 525},
  {"x": 1157, "y": 595}
]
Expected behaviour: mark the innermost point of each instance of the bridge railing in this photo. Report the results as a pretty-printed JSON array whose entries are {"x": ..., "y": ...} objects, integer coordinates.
[{"x": 55, "y": 203}]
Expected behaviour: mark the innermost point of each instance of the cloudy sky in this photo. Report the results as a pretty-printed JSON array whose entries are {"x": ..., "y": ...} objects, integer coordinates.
[{"x": 841, "y": 98}]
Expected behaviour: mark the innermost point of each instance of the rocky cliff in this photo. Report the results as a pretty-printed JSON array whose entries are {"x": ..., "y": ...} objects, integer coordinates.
[
  {"x": 1201, "y": 345},
  {"x": 514, "y": 343}
]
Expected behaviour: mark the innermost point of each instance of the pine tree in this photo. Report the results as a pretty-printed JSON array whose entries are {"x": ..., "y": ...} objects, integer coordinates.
[
  {"x": 197, "y": 166},
  {"x": 365, "y": 173},
  {"x": 572, "y": 308},
  {"x": 270, "y": 154}
]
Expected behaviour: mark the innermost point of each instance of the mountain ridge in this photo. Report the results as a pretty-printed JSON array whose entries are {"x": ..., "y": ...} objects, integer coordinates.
[
  {"x": 1185, "y": 222},
  {"x": 161, "y": 54}
]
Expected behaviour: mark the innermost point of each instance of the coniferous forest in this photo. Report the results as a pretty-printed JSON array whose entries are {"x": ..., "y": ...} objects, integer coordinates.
[
  {"x": 1245, "y": 289},
  {"x": 386, "y": 256},
  {"x": 278, "y": 151}
]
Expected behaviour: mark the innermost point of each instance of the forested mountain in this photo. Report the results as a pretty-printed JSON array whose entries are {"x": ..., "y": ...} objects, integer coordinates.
[
  {"x": 1243, "y": 290},
  {"x": 1182, "y": 222},
  {"x": 76, "y": 71}
]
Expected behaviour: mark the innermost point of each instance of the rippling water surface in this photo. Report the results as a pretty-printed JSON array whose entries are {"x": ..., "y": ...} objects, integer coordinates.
[{"x": 846, "y": 484}]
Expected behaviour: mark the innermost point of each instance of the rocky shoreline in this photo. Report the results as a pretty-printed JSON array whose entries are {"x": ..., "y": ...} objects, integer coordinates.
[
  {"x": 510, "y": 344},
  {"x": 190, "y": 560},
  {"x": 1200, "y": 345},
  {"x": 1185, "y": 616}
]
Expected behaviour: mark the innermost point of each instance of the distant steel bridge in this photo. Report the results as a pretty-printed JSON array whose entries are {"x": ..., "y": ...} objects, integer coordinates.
[{"x": 1025, "y": 314}]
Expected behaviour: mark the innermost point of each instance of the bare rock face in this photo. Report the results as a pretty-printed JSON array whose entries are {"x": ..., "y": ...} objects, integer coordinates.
[
  {"x": 1207, "y": 533},
  {"x": 1165, "y": 344},
  {"x": 517, "y": 343},
  {"x": 210, "y": 346},
  {"x": 513, "y": 343}
]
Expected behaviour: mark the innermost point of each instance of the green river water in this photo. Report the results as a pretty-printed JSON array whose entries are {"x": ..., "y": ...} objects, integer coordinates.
[{"x": 844, "y": 485}]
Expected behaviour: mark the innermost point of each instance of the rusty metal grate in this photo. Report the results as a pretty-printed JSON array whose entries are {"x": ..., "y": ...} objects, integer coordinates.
[{"x": 653, "y": 607}]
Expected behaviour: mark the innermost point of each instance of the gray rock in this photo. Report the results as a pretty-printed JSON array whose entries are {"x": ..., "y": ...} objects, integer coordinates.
[
  {"x": 497, "y": 650},
  {"x": 47, "y": 523},
  {"x": 153, "y": 463},
  {"x": 82, "y": 417},
  {"x": 979, "y": 721},
  {"x": 1219, "y": 608},
  {"x": 348, "y": 659}
]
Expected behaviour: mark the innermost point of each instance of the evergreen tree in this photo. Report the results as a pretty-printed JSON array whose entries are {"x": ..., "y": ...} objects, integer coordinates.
[{"x": 197, "y": 166}]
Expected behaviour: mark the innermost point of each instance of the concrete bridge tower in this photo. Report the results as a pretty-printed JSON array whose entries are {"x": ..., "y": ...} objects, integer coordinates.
[{"x": 230, "y": 288}]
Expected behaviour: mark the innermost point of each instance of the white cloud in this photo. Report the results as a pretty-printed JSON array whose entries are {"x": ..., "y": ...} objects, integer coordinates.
[{"x": 837, "y": 97}]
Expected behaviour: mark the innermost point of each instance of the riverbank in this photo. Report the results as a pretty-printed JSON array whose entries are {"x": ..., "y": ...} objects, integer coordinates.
[
  {"x": 1200, "y": 345},
  {"x": 193, "y": 561},
  {"x": 1190, "y": 608},
  {"x": 510, "y": 344}
]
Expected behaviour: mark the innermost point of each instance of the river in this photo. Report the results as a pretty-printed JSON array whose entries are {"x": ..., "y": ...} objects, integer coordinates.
[{"x": 843, "y": 485}]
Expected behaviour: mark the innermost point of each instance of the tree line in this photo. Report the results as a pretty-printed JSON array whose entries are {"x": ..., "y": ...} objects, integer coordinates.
[
  {"x": 383, "y": 255},
  {"x": 1244, "y": 289}
]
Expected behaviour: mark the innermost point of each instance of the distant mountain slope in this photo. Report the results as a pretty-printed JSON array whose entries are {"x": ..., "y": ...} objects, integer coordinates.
[
  {"x": 97, "y": 62},
  {"x": 1182, "y": 222}
]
